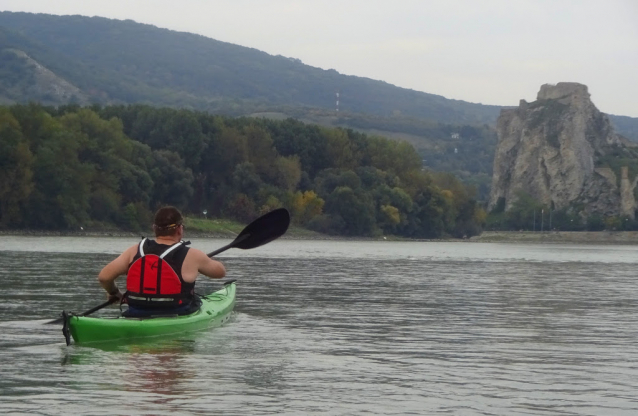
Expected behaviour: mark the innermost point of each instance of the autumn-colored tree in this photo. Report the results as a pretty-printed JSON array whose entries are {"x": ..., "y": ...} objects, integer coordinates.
[
  {"x": 306, "y": 206},
  {"x": 390, "y": 218}
]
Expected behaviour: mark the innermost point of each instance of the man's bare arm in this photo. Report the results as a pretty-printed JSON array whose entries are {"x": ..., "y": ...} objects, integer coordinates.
[
  {"x": 207, "y": 266},
  {"x": 116, "y": 268}
]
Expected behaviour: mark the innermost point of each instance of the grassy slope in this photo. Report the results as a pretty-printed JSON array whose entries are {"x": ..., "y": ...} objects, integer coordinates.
[{"x": 228, "y": 228}]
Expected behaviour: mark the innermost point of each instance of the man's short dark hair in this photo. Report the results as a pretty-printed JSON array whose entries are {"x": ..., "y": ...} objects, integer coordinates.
[{"x": 167, "y": 220}]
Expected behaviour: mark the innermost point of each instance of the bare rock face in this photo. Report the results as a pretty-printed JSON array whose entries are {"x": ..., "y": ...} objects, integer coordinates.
[
  {"x": 555, "y": 149},
  {"x": 49, "y": 84}
]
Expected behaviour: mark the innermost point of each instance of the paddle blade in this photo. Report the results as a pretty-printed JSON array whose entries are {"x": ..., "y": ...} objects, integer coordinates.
[{"x": 263, "y": 230}]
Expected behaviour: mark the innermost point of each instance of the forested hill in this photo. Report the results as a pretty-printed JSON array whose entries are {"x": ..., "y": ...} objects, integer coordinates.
[
  {"x": 69, "y": 167},
  {"x": 113, "y": 61},
  {"x": 74, "y": 59}
]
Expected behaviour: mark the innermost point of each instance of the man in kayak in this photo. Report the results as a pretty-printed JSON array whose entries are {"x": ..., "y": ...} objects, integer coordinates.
[{"x": 160, "y": 273}]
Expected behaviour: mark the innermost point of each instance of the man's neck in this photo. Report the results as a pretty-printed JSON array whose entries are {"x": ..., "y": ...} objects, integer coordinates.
[{"x": 168, "y": 240}]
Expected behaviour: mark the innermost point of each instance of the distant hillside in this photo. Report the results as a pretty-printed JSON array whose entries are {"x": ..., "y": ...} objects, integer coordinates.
[
  {"x": 76, "y": 59},
  {"x": 465, "y": 150},
  {"x": 124, "y": 61},
  {"x": 626, "y": 126}
]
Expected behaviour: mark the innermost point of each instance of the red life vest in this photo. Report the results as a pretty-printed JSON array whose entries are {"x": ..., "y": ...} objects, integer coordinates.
[{"x": 154, "y": 278}]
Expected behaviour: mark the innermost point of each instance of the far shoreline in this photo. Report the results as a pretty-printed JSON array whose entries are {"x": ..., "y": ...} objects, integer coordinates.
[
  {"x": 510, "y": 237},
  {"x": 558, "y": 237},
  {"x": 229, "y": 235}
]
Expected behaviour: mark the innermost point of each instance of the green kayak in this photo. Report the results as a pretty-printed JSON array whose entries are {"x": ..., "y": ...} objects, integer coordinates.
[{"x": 215, "y": 310}]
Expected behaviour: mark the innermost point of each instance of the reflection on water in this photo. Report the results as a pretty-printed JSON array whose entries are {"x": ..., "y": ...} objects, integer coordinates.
[{"x": 340, "y": 328}]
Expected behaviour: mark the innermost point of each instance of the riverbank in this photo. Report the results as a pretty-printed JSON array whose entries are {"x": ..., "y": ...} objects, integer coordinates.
[
  {"x": 295, "y": 233},
  {"x": 558, "y": 237},
  {"x": 292, "y": 233}
]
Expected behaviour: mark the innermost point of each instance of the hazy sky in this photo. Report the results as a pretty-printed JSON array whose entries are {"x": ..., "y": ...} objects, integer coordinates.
[{"x": 483, "y": 51}]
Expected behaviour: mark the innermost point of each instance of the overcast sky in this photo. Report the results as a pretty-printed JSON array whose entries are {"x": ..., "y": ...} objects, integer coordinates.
[{"x": 482, "y": 51}]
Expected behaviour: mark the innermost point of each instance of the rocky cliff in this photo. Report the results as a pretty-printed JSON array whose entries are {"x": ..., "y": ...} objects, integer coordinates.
[{"x": 564, "y": 153}]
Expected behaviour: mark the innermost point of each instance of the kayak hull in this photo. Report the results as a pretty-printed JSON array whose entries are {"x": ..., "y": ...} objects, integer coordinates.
[{"x": 216, "y": 309}]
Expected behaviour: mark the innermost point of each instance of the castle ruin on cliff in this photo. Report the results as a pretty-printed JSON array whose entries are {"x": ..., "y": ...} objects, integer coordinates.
[{"x": 558, "y": 150}]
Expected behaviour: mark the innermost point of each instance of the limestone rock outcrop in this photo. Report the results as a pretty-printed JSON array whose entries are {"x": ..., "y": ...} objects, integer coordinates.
[{"x": 557, "y": 149}]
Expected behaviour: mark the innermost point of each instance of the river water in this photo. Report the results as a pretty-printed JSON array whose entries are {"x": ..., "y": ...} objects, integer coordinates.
[{"x": 338, "y": 328}]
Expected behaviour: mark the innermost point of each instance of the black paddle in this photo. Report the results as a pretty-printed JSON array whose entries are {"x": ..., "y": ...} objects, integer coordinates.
[
  {"x": 261, "y": 231},
  {"x": 90, "y": 311}
]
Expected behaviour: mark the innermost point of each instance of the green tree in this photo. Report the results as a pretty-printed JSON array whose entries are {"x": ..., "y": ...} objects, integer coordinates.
[
  {"x": 288, "y": 172},
  {"x": 595, "y": 223},
  {"x": 394, "y": 206},
  {"x": 523, "y": 212},
  {"x": 261, "y": 152},
  {"x": 329, "y": 179},
  {"x": 241, "y": 207},
  {"x": 355, "y": 208},
  {"x": 246, "y": 180},
  {"x": 62, "y": 184},
  {"x": 16, "y": 174},
  {"x": 340, "y": 149},
  {"x": 172, "y": 180},
  {"x": 292, "y": 137},
  {"x": 397, "y": 157},
  {"x": 118, "y": 180},
  {"x": 427, "y": 218},
  {"x": 226, "y": 151}
]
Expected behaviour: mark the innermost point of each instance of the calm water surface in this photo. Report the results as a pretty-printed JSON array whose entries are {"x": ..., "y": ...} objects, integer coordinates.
[{"x": 339, "y": 328}]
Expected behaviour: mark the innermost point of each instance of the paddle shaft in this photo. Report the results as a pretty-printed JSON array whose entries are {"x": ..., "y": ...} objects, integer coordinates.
[
  {"x": 227, "y": 246},
  {"x": 90, "y": 311},
  {"x": 100, "y": 306}
]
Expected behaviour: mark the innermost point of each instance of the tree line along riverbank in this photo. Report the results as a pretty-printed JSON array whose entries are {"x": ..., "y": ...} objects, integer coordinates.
[
  {"x": 104, "y": 167},
  {"x": 295, "y": 233}
]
